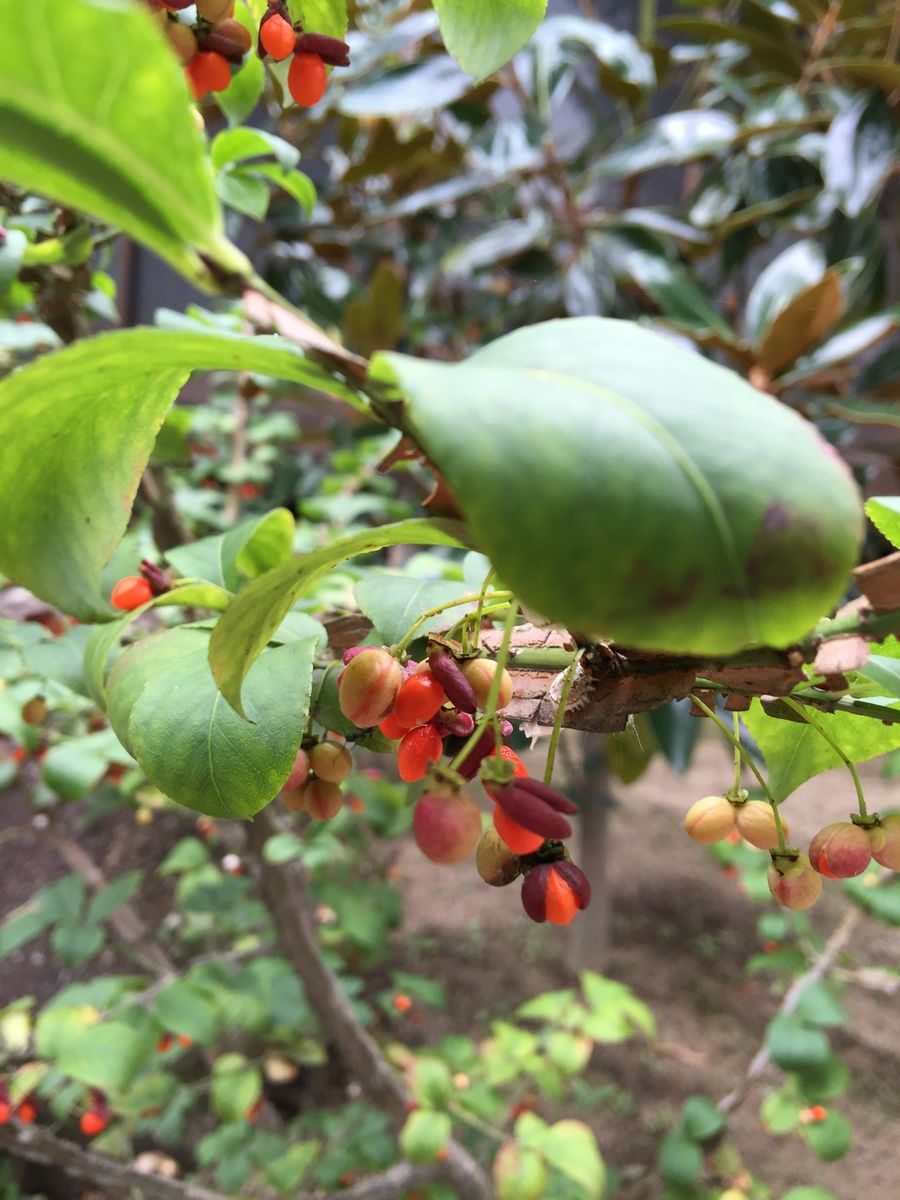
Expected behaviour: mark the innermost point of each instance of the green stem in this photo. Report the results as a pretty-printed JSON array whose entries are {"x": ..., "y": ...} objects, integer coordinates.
[
  {"x": 400, "y": 647},
  {"x": 490, "y": 706},
  {"x": 854, "y": 774},
  {"x": 560, "y": 713},
  {"x": 479, "y": 611},
  {"x": 736, "y": 722},
  {"x": 748, "y": 759},
  {"x": 646, "y": 30}
]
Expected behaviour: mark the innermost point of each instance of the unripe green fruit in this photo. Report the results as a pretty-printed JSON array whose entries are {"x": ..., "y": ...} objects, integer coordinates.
[
  {"x": 446, "y": 826},
  {"x": 756, "y": 824},
  {"x": 495, "y": 862},
  {"x": 519, "y": 1173},
  {"x": 889, "y": 854},
  {"x": 323, "y": 800},
  {"x": 331, "y": 761},
  {"x": 710, "y": 820},
  {"x": 369, "y": 686},
  {"x": 840, "y": 850},
  {"x": 794, "y": 884},
  {"x": 480, "y": 674}
]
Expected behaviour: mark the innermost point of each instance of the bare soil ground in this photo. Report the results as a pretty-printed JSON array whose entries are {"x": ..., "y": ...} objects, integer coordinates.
[{"x": 681, "y": 933}]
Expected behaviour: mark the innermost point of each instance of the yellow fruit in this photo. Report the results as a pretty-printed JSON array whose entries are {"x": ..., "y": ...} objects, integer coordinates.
[
  {"x": 756, "y": 824},
  {"x": 710, "y": 820}
]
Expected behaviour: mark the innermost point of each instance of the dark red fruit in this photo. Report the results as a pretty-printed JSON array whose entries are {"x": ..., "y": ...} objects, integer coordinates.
[
  {"x": 418, "y": 700},
  {"x": 307, "y": 79},
  {"x": 277, "y": 37},
  {"x": 530, "y": 810},
  {"x": 446, "y": 826},
  {"x": 418, "y": 749},
  {"x": 130, "y": 593},
  {"x": 555, "y": 892},
  {"x": 230, "y": 39},
  {"x": 448, "y": 673}
]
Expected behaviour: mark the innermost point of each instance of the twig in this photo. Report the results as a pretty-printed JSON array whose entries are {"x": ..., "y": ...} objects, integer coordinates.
[
  {"x": 34, "y": 1144},
  {"x": 169, "y": 529},
  {"x": 286, "y": 891},
  {"x": 246, "y": 391},
  {"x": 823, "y": 964}
]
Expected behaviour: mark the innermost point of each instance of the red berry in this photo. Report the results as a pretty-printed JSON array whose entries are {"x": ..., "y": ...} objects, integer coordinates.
[
  {"x": 5, "y": 1111},
  {"x": 555, "y": 892},
  {"x": 184, "y": 1040},
  {"x": 418, "y": 748},
  {"x": 130, "y": 593},
  {"x": 26, "y": 1113},
  {"x": 93, "y": 1122},
  {"x": 402, "y": 1002},
  {"x": 277, "y": 37},
  {"x": 299, "y": 771},
  {"x": 446, "y": 826},
  {"x": 208, "y": 72},
  {"x": 164, "y": 1043},
  {"x": 519, "y": 839},
  {"x": 307, "y": 78},
  {"x": 418, "y": 700},
  {"x": 392, "y": 728},
  {"x": 840, "y": 850}
]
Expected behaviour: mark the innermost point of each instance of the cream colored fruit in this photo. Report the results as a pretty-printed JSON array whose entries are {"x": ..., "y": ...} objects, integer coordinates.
[
  {"x": 480, "y": 674},
  {"x": 331, "y": 761},
  {"x": 889, "y": 853},
  {"x": 756, "y": 824},
  {"x": 710, "y": 820}
]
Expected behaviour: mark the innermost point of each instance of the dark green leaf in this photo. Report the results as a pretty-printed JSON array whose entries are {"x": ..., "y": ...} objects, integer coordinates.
[
  {"x": 701, "y": 1119},
  {"x": 830, "y": 1138},
  {"x": 254, "y": 616},
  {"x": 122, "y": 145},
  {"x": 680, "y": 1160},
  {"x": 164, "y": 706},
  {"x": 184, "y": 1009},
  {"x": 676, "y": 732},
  {"x": 774, "y": 53},
  {"x": 247, "y": 550},
  {"x": 799, "y": 267},
  {"x": 424, "y": 1135},
  {"x": 792, "y": 1045},
  {"x": 111, "y": 897},
  {"x": 860, "y": 151},
  {"x": 236, "y": 1087},
  {"x": 545, "y": 428},
  {"x": 75, "y": 943},
  {"x": 667, "y": 141},
  {"x": 393, "y": 602}
]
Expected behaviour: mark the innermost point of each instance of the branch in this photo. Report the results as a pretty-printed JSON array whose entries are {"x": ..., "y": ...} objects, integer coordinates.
[
  {"x": 822, "y": 965},
  {"x": 286, "y": 891},
  {"x": 33, "y": 1144}
]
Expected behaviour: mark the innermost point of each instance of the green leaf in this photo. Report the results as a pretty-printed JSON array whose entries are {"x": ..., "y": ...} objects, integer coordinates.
[
  {"x": 184, "y": 856},
  {"x": 393, "y": 602},
  {"x": 700, "y": 1119},
  {"x": 793, "y": 1045},
  {"x": 882, "y": 900},
  {"x": 667, "y": 141},
  {"x": 680, "y": 1160},
  {"x": 22, "y": 926},
  {"x": 780, "y": 1111},
  {"x": 519, "y": 1173},
  {"x": 110, "y": 130},
  {"x": 286, "y": 1172},
  {"x": 163, "y": 704},
  {"x": 184, "y": 1009},
  {"x": 111, "y": 898},
  {"x": 884, "y": 513},
  {"x": 713, "y": 536},
  {"x": 237, "y": 145},
  {"x": 236, "y": 1086},
  {"x": 819, "y": 1006},
  {"x": 483, "y": 37},
  {"x": 424, "y": 1135},
  {"x": 244, "y": 92},
  {"x": 253, "y": 617},
  {"x": 678, "y": 296},
  {"x": 795, "y": 752},
  {"x": 860, "y": 150},
  {"x": 568, "y": 1053},
  {"x": 324, "y": 16},
  {"x": 78, "y": 428},
  {"x": 249, "y": 549},
  {"x": 74, "y": 942},
  {"x": 295, "y": 183},
  {"x": 243, "y": 191},
  {"x": 282, "y": 848},
  {"x": 830, "y": 1138},
  {"x": 105, "y": 1056},
  {"x": 571, "y": 1148},
  {"x": 195, "y": 595},
  {"x": 772, "y": 51},
  {"x": 410, "y": 90},
  {"x": 676, "y": 732},
  {"x": 432, "y": 1082},
  {"x": 808, "y": 1193}
]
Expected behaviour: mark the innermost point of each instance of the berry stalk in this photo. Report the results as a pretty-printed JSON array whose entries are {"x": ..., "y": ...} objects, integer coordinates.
[
  {"x": 490, "y": 706},
  {"x": 410, "y": 634},
  {"x": 560, "y": 715},
  {"x": 854, "y": 774}
]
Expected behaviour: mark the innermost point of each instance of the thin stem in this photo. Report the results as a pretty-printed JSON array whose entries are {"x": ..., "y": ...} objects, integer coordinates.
[
  {"x": 490, "y": 706},
  {"x": 558, "y": 721},
  {"x": 736, "y": 722},
  {"x": 748, "y": 758},
  {"x": 400, "y": 647},
  {"x": 479, "y": 611},
  {"x": 854, "y": 774},
  {"x": 646, "y": 30}
]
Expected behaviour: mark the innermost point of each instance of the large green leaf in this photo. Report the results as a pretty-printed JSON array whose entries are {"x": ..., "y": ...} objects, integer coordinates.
[
  {"x": 393, "y": 602},
  {"x": 571, "y": 1148},
  {"x": 884, "y": 513},
  {"x": 164, "y": 706},
  {"x": 253, "y": 617},
  {"x": 77, "y": 429},
  {"x": 95, "y": 113},
  {"x": 482, "y": 37},
  {"x": 323, "y": 16},
  {"x": 245, "y": 551},
  {"x": 796, "y": 752},
  {"x": 627, "y": 487}
]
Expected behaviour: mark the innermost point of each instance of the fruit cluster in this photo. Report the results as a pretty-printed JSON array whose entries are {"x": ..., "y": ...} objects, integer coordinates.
[
  {"x": 840, "y": 850},
  {"x": 313, "y": 785},
  {"x": 23, "y": 1110},
  {"x": 429, "y": 709},
  {"x": 210, "y": 42}
]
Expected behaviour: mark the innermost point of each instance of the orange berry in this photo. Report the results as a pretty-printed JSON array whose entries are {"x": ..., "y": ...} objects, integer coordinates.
[
  {"x": 555, "y": 892},
  {"x": 392, "y": 728},
  {"x": 93, "y": 1122},
  {"x": 277, "y": 37},
  {"x": 26, "y": 1113},
  {"x": 418, "y": 700},
  {"x": 164, "y": 1043},
  {"x": 130, "y": 593},
  {"x": 519, "y": 839},
  {"x": 184, "y": 1040},
  {"x": 307, "y": 79},
  {"x": 418, "y": 748},
  {"x": 5, "y": 1111}
]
